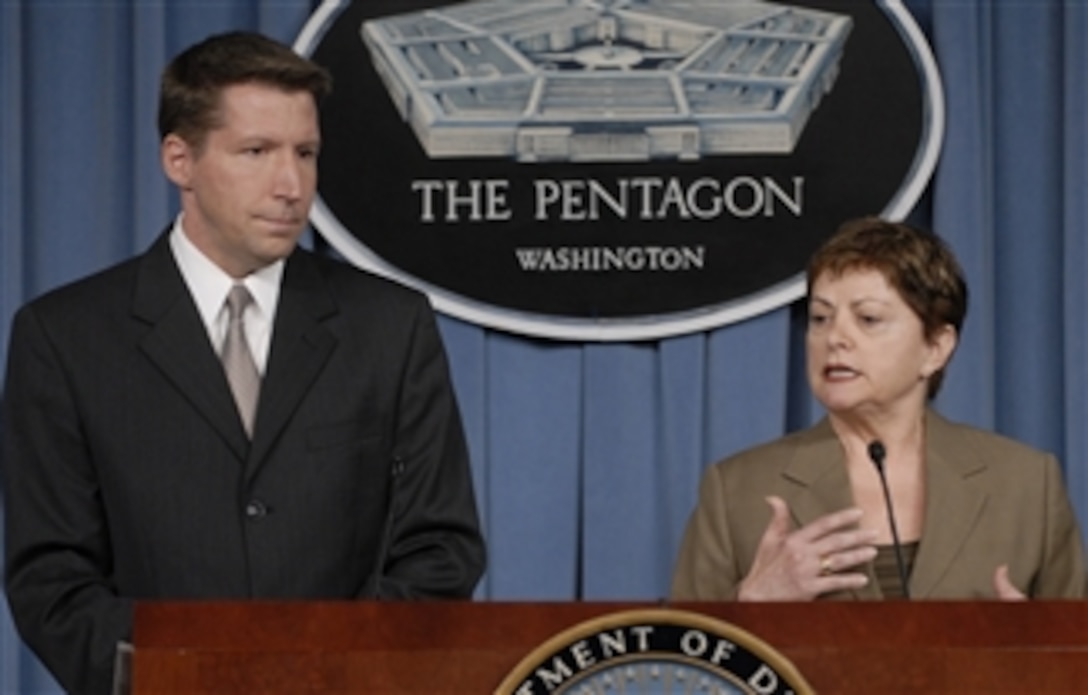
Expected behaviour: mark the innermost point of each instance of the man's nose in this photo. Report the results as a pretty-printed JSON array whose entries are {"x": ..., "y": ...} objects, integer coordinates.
[{"x": 289, "y": 177}]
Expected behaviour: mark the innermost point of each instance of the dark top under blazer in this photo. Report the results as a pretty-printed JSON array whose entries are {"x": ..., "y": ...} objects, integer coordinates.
[
  {"x": 989, "y": 501},
  {"x": 128, "y": 474}
]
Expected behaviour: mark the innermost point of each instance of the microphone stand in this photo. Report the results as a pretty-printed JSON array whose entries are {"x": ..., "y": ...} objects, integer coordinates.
[{"x": 877, "y": 452}]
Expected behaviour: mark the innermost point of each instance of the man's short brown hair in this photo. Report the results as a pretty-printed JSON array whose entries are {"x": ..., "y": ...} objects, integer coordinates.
[{"x": 189, "y": 96}]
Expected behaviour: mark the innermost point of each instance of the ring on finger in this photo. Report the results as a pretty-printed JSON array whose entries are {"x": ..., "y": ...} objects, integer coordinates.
[{"x": 825, "y": 566}]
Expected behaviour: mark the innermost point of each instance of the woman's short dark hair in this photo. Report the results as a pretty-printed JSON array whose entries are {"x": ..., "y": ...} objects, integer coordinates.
[
  {"x": 917, "y": 263},
  {"x": 189, "y": 96}
]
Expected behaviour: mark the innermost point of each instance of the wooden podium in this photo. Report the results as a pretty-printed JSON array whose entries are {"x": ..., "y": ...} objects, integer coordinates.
[{"x": 465, "y": 648}]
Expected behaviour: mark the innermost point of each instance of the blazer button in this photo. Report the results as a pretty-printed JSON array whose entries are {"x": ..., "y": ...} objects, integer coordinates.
[{"x": 255, "y": 510}]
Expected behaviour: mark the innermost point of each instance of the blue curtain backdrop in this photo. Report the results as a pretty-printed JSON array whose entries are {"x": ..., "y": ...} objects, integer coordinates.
[{"x": 587, "y": 456}]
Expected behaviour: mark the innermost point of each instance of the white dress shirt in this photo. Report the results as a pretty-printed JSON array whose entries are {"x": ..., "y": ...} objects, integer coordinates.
[{"x": 209, "y": 285}]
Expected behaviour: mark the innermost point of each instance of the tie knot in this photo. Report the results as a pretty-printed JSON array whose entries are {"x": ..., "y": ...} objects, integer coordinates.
[{"x": 238, "y": 299}]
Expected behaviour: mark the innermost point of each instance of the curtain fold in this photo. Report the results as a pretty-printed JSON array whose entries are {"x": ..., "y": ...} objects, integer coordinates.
[
  {"x": 587, "y": 457},
  {"x": 963, "y": 199},
  {"x": 14, "y": 287},
  {"x": 1073, "y": 230}
]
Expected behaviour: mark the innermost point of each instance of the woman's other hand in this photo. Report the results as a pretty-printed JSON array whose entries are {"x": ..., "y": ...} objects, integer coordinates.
[{"x": 1004, "y": 587}]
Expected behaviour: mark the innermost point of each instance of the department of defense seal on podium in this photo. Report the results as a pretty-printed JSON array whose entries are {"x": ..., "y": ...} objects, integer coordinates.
[{"x": 654, "y": 652}]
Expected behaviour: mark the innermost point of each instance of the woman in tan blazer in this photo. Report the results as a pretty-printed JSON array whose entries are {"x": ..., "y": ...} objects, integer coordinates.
[{"x": 976, "y": 515}]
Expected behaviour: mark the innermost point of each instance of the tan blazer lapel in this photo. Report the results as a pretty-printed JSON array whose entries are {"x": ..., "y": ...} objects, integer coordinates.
[
  {"x": 820, "y": 485},
  {"x": 953, "y": 504},
  {"x": 817, "y": 472}
]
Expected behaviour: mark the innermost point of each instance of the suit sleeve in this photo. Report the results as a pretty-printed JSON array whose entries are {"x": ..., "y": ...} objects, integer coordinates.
[
  {"x": 434, "y": 548},
  {"x": 57, "y": 550},
  {"x": 706, "y": 569},
  {"x": 1062, "y": 570}
]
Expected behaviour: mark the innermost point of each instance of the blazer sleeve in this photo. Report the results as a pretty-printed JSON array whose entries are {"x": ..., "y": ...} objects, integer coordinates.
[
  {"x": 57, "y": 550},
  {"x": 433, "y": 545},
  {"x": 706, "y": 567},
  {"x": 1062, "y": 572}
]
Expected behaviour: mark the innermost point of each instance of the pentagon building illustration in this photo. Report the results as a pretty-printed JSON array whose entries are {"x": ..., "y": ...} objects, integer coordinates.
[{"x": 607, "y": 80}]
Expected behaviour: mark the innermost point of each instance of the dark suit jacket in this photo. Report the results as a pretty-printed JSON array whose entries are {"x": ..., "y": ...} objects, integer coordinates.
[
  {"x": 989, "y": 501},
  {"x": 128, "y": 474}
]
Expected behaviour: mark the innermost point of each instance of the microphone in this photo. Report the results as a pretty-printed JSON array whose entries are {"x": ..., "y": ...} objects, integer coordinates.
[{"x": 877, "y": 452}]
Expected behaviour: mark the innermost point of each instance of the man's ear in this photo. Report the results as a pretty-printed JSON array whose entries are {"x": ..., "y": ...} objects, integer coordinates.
[{"x": 177, "y": 157}]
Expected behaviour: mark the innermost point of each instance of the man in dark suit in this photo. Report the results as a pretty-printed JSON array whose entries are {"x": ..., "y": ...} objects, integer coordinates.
[{"x": 136, "y": 467}]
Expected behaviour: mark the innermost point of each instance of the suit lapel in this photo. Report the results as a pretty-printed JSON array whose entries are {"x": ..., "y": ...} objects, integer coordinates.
[
  {"x": 953, "y": 504},
  {"x": 177, "y": 343},
  {"x": 821, "y": 485},
  {"x": 818, "y": 472},
  {"x": 301, "y": 345}
]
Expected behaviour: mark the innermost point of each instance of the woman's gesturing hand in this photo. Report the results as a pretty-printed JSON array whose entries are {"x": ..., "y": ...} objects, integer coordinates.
[{"x": 801, "y": 564}]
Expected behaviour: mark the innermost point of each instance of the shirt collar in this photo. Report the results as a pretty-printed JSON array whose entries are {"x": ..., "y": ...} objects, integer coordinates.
[{"x": 209, "y": 284}]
